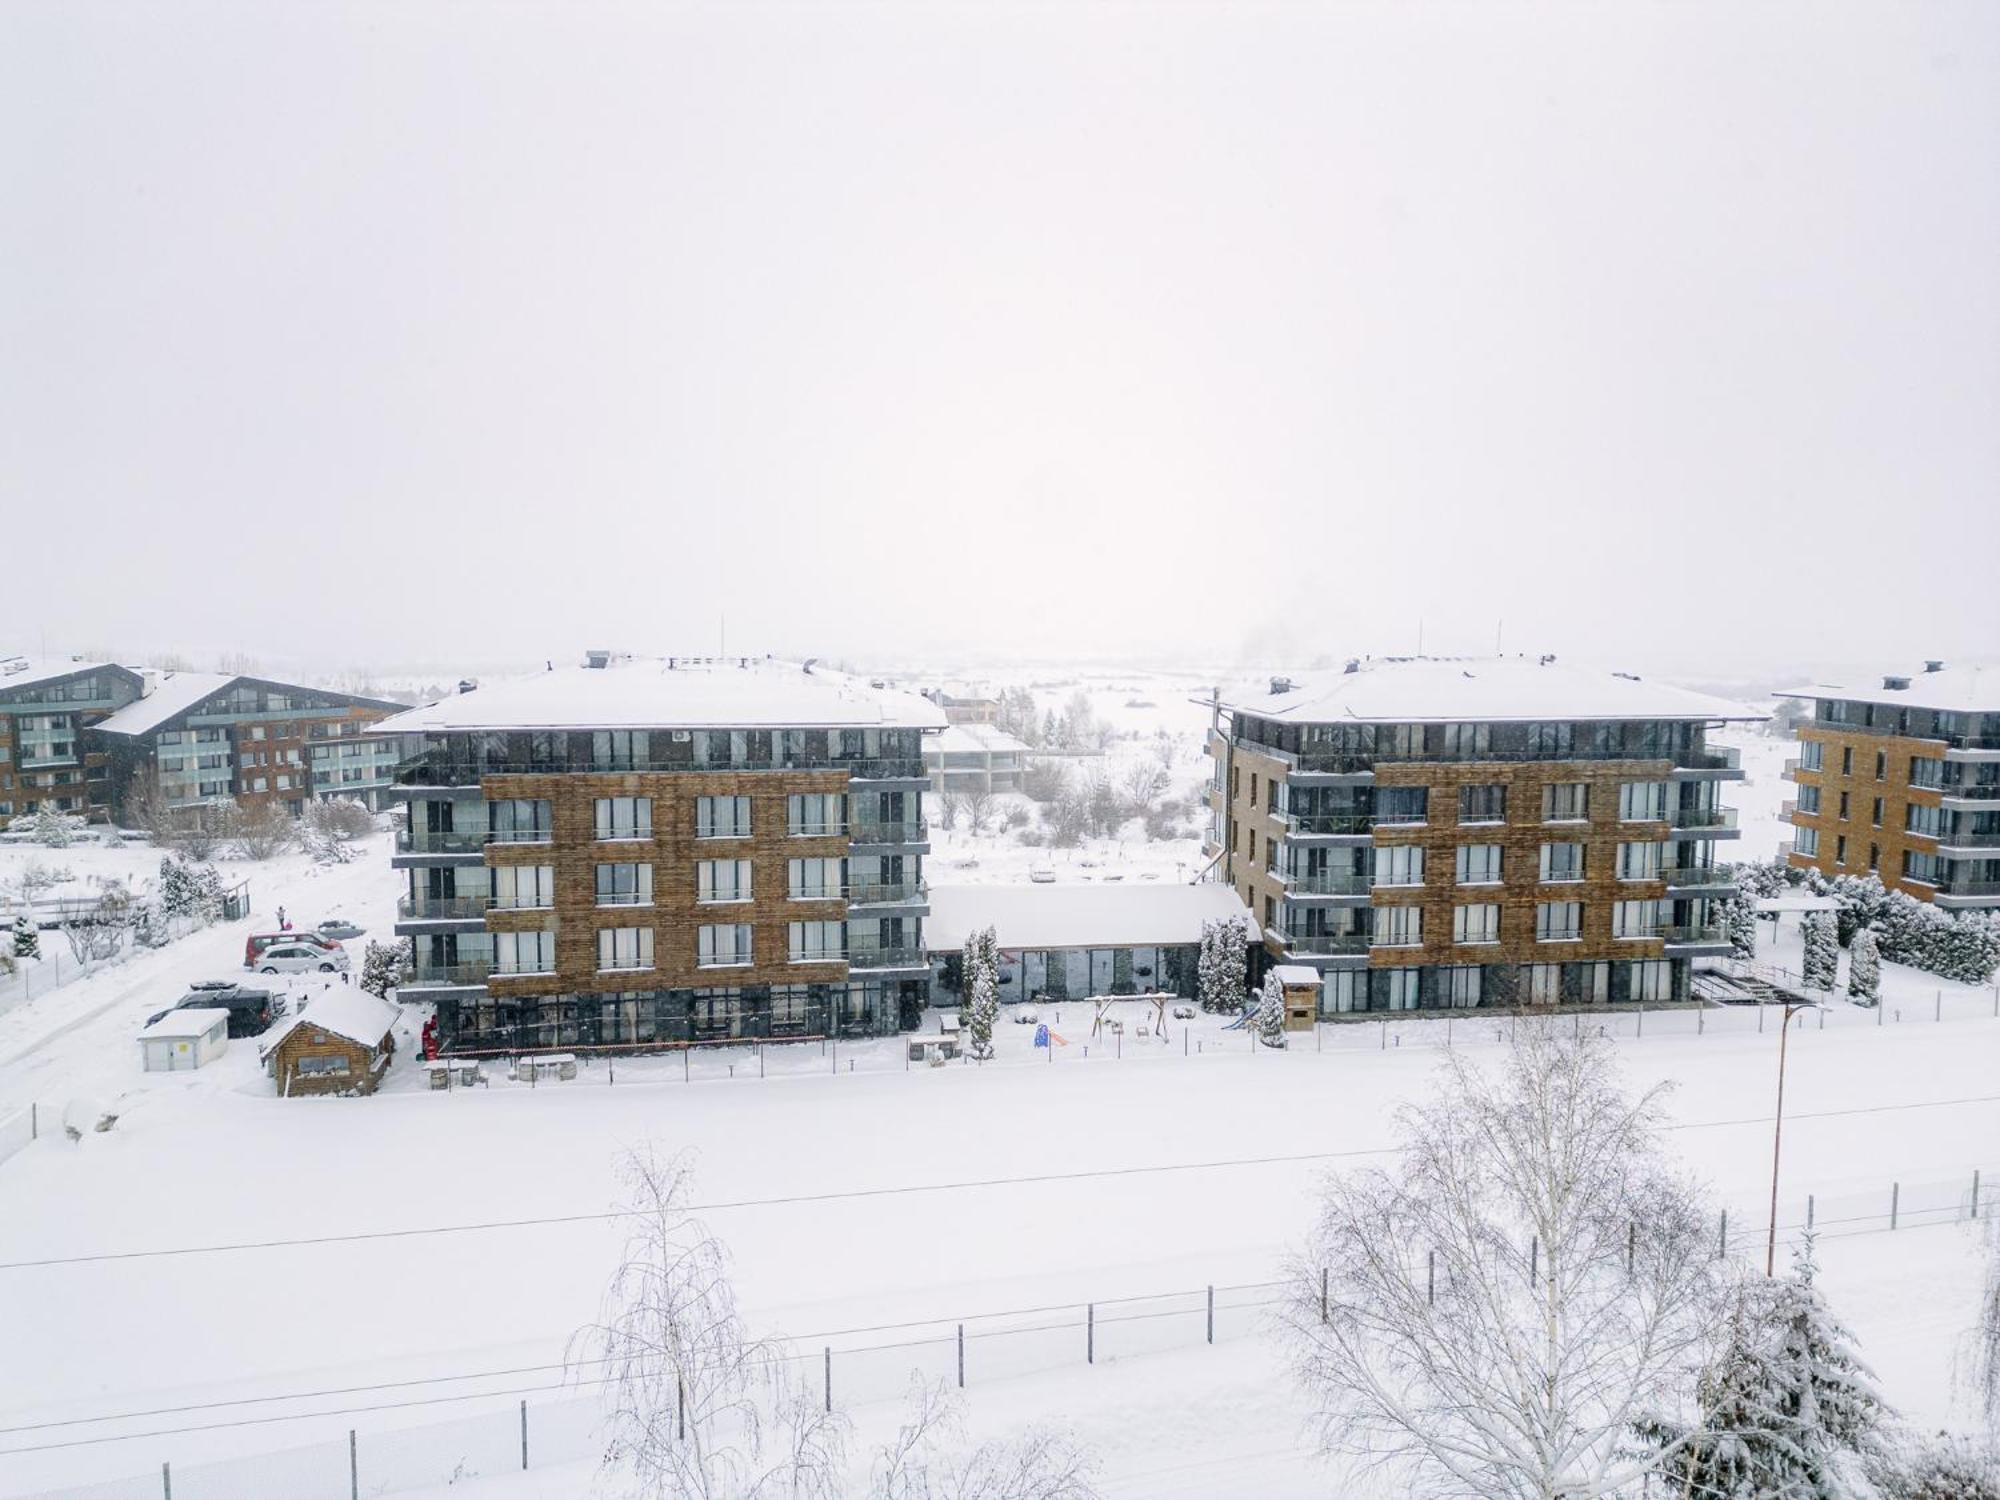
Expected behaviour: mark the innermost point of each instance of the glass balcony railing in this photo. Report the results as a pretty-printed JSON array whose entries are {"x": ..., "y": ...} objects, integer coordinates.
[
  {"x": 1354, "y": 762},
  {"x": 886, "y": 958},
  {"x": 1329, "y": 883},
  {"x": 1967, "y": 840},
  {"x": 882, "y": 892},
  {"x": 1325, "y": 943},
  {"x": 1709, "y": 933},
  {"x": 441, "y": 908},
  {"x": 1311, "y": 824},
  {"x": 1701, "y": 817},
  {"x": 445, "y": 841},
  {"x": 466, "y": 971},
  {"x": 440, "y": 771},
  {"x": 876, "y": 831},
  {"x": 1683, "y": 876},
  {"x": 1708, "y": 758}
]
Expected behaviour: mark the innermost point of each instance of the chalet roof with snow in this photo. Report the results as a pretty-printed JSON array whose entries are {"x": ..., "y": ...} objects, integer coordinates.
[
  {"x": 341, "y": 1010},
  {"x": 977, "y": 739},
  {"x": 177, "y": 693},
  {"x": 675, "y": 693},
  {"x": 1478, "y": 690},
  {"x": 1140, "y": 915},
  {"x": 34, "y": 671},
  {"x": 1952, "y": 690}
]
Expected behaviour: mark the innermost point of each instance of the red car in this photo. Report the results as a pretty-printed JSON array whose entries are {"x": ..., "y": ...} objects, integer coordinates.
[{"x": 257, "y": 942}]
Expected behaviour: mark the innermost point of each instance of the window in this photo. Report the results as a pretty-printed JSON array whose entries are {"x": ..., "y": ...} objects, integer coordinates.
[
  {"x": 523, "y": 887},
  {"x": 1843, "y": 807},
  {"x": 1928, "y": 821},
  {"x": 722, "y": 817},
  {"x": 1650, "y": 979},
  {"x": 620, "y": 749},
  {"x": 518, "y": 820},
  {"x": 256, "y": 731},
  {"x": 1558, "y": 921},
  {"x": 1402, "y": 804},
  {"x": 718, "y": 880},
  {"x": 625, "y": 947},
  {"x": 1396, "y": 989},
  {"x": 1812, "y": 755},
  {"x": 1399, "y": 926},
  {"x": 1808, "y": 798},
  {"x": 257, "y": 784},
  {"x": 1478, "y": 864},
  {"x": 1545, "y": 983},
  {"x": 818, "y": 942},
  {"x": 1253, "y": 846},
  {"x": 1400, "y": 865},
  {"x": 624, "y": 818},
  {"x": 725, "y": 947},
  {"x": 1875, "y": 813},
  {"x": 1847, "y": 760},
  {"x": 1881, "y": 765},
  {"x": 1635, "y": 919},
  {"x": 1551, "y": 741},
  {"x": 816, "y": 879},
  {"x": 1840, "y": 850},
  {"x": 1458, "y": 985},
  {"x": 1475, "y": 924},
  {"x": 321, "y": 1067},
  {"x": 1926, "y": 772},
  {"x": 1923, "y": 867},
  {"x": 1642, "y": 801},
  {"x": 815, "y": 814},
  {"x": 1253, "y": 791},
  {"x": 1566, "y": 802},
  {"x": 1640, "y": 861},
  {"x": 1562, "y": 862},
  {"x": 1874, "y": 856},
  {"x": 1482, "y": 804},
  {"x": 1467, "y": 741},
  {"x": 524, "y": 952},
  {"x": 625, "y": 885},
  {"x": 1806, "y": 841}
]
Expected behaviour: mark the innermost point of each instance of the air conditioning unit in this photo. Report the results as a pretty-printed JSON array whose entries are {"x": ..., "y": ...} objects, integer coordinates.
[{"x": 683, "y": 736}]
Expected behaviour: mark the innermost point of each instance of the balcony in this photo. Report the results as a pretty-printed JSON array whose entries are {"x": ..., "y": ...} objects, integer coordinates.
[
  {"x": 468, "y": 973},
  {"x": 442, "y": 908},
  {"x": 1973, "y": 748},
  {"x": 883, "y": 768},
  {"x": 445, "y": 772},
  {"x": 445, "y": 841},
  {"x": 1325, "y": 945},
  {"x": 875, "y": 831},
  {"x": 1786, "y": 808},
  {"x": 1973, "y": 799},
  {"x": 1967, "y": 895},
  {"x": 885, "y": 892},
  {"x": 1973, "y": 844},
  {"x": 1701, "y": 822},
  {"x": 1696, "y": 878},
  {"x": 1316, "y": 826},
  {"x": 882, "y": 960},
  {"x": 1691, "y": 941},
  {"x": 1328, "y": 883},
  {"x": 1710, "y": 763}
]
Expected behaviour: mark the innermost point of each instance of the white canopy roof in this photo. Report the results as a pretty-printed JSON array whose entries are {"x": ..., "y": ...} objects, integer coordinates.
[
  {"x": 1480, "y": 690},
  {"x": 183, "y": 1025},
  {"x": 675, "y": 693},
  {"x": 1079, "y": 916}
]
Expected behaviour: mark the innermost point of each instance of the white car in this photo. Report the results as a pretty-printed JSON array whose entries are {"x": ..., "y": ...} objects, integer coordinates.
[{"x": 301, "y": 958}]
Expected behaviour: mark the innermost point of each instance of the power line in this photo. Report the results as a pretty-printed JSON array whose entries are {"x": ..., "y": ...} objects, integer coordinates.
[{"x": 858, "y": 1194}]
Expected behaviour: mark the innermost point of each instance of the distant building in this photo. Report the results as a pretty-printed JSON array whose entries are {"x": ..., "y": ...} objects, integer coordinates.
[
  {"x": 646, "y": 852},
  {"x": 1063, "y": 942},
  {"x": 1453, "y": 833},
  {"x": 1903, "y": 781},
  {"x": 212, "y": 738},
  {"x": 969, "y": 757},
  {"x": 975, "y": 710},
  {"x": 47, "y": 756}
]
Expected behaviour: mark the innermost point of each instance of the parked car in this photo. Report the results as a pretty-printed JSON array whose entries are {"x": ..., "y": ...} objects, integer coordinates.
[
  {"x": 251, "y": 1012},
  {"x": 337, "y": 928},
  {"x": 257, "y": 942},
  {"x": 300, "y": 958}
]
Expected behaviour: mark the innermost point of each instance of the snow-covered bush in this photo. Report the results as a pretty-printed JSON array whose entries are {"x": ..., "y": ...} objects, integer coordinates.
[
  {"x": 149, "y": 928},
  {"x": 258, "y": 830},
  {"x": 1864, "y": 969},
  {"x": 1859, "y": 899},
  {"x": 55, "y": 830},
  {"x": 36, "y": 877},
  {"x": 386, "y": 965},
  {"x": 340, "y": 817},
  {"x": 1822, "y": 950},
  {"x": 1963, "y": 946},
  {"x": 980, "y": 1005},
  {"x": 1222, "y": 966},
  {"x": 27, "y": 941},
  {"x": 322, "y": 845},
  {"x": 1939, "y": 1468},
  {"x": 1271, "y": 1012}
]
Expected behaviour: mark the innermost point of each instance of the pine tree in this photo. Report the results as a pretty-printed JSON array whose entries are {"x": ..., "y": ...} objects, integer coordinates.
[
  {"x": 385, "y": 965},
  {"x": 1271, "y": 1012},
  {"x": 1790, "y": 1409},
  {"x": 981, "y": 1005},
  {"x": 1822, "y": 952},
  {"x": 1738, "y": 912},
  {"x": 27, "y": 941},
  {"x": 1207, "y": 968},
  {"x": 1864, "y": 969},
  {"x": 1859, "y": 901},
  {"x": 177, "y": 892},
  {"x": 149, "y": 929},
  {"x": 1233, "y": 964}
]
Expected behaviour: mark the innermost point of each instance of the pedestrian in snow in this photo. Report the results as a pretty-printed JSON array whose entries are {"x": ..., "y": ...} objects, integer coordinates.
[{"x": 283, "y": 925}]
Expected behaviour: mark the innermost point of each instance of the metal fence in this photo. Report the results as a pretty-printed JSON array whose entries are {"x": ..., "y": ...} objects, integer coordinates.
[
  {"x": 556, "y": 1417},
  {"x": 58, "y": 966}
]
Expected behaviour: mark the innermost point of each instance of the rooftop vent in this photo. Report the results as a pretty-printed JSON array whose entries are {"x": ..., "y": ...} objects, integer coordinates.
[
  {"x": 1546, "y": 660},
  {"x": 1895, "y": 684},
  {"x": 1280, "y": 685},
  {"x": 808, "y": 668},
  {"x": 468, "y": 684},
  {"x": 597, "y": 660},
  {"x": 13, "y": 665},
  {"x": 1353, "y": 664},
  {"x": 1933, "y": 666}
]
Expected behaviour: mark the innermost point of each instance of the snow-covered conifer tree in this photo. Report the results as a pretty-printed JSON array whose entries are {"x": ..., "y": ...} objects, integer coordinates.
[
  {"x": 1233, "y": 964},
  {"x": 1271, "y": 1012},
  {"x": 1822, "y": 951},
  {"x": 27, "y": 941},
  {"x": 1864, "y": 969}
]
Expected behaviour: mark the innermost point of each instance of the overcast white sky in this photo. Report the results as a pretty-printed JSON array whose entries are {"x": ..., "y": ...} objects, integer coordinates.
[{"x": 427, "y": 333}]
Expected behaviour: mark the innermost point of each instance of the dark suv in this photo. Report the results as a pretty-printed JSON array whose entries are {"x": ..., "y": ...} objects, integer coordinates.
[{"x": 250, "y": 1011}]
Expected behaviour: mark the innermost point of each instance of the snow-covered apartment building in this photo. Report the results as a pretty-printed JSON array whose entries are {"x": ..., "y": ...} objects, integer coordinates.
[
  {"x": 640, "y": 852},
  {"x": 1434, "y": 833},
  {"x": 78, "y": 736},
  {"x": 1903, "y": 781}
]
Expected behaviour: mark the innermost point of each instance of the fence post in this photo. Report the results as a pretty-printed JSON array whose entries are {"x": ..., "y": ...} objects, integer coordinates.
[
  {"x": 1701, "y": 1021},
  {"x": 1809, "y": 1213},
  {"x": 1090, "y": 1333},
  {"x": 1722, "y": 1243},
  {"x": 1760, "y": 1018},
  {"x": 1895, "y": 1197},
  {"x": 1975, "y": 1192},
  {"x": 680, "y": 1406},
  {"x": 1937, "y": 1010},
  {"x": 829, "y": 1377},
  {"x": 1211, "y": 1315},
  {"x": 524, "y": 1432},
  {"x": 34, "y": 1122},
  {"x": 1322, "y": 1295},
  {"x": 961, "y": 1356},
  {"x": 167, "y": 1481},
  {"x": 1640, "y": 1029},
  {"x": 353, "y": 1468}
]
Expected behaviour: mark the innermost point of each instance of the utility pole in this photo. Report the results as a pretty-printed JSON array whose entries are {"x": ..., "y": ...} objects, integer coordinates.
[{"x": 1777, "y": 1135}]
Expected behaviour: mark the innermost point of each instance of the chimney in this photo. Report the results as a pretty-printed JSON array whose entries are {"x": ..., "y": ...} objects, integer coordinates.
[
  {"x": 1895, "y": 684},
  {"x": 468, "y": 684},
  {"x": 1280, "y": 685},
  {"x": 1933, "y": 666},
  {"x": 1353, "y": 664},
  {"x": 598, "y": 660}
]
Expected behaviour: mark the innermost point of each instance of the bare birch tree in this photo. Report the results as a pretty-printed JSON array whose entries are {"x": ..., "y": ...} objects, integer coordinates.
[
  {"x": 927, "y": 1462},
  {"x": 1530, "y": 1279},
  {"x": 696, "y": 1406}
]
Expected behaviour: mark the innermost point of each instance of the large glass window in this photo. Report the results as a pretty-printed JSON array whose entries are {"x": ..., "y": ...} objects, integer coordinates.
[
  {"x": 1558, "y": 921},
  {"x": 1640, "y": 861},
  {"x": 1478, "y": 864},
  {"x": 723, "y": 947},
  {"x": 619, "y": 749},
  {"x": 1545, "y": 983},
  {"x": 1806, "y": 841},
  {"x": 1562, "y": 862},
  {"x": 524, "y": 887},
  {"x": 718, "y": 880},
  {"x": 818, "y": 942},
  {"x": 722, "y": 817},
  {"x": 1812, "y": 755},
  {"x": 1808, "y": 797},
  {"x": 1395, "y": 989},
  {"x": 816, "y": 879},
  {"x": 1566, "y": 802},
  {"x": 1650, "y": 979},
  {"x": 625, "y": 948},
  {"x": 1635, "y": 919},
  {"x": 1478, "y": 923},
  {"x": 1642, "y": 801},
  {"x": 1399, "y": 926},
  {"x": 1459, "y": 985},
  {"x": 817, "y": 814},
  {"x": 624, "y": 817},
  {"x": 1482, "y": 804},
  {"x": 1402, "y": 804},
  {"x": 625, "y": 885},
  {"x": 519, "y": 820},
  {"x": 524, "y": 952},
  {"x": 1400, "y": 865},
  {"x": 1925, "y": 820}
]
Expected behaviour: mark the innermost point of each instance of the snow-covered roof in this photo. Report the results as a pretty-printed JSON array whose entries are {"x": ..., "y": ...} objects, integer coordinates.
[
  {"x": 344, "y": 1010},
  {"x": 977, "y": 739},
  {"x": 1079, "y": 916},
  {"x": 183, "y": 1025},
  {"x": 1293, "y": 976},
  {"x": 23, "y": 671},
  {"x": 1490, "y": 690},
  {"x": 1956, "y": 690},
  {"x": 675, "y": 693},
  {"x": 174, "y": 693}
]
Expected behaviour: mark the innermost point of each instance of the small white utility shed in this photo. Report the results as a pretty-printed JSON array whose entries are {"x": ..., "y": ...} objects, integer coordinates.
[{"x": 183, "y": 1040}]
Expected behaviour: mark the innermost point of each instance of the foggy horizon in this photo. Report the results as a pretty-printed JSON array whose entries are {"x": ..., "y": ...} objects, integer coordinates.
[{"x": 400, "y": 340}]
